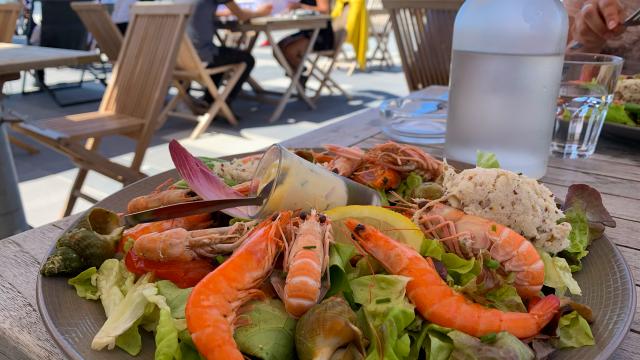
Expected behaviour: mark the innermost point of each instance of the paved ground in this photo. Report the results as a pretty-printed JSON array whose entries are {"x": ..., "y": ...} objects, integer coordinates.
[{"x": 46, "y": 178}]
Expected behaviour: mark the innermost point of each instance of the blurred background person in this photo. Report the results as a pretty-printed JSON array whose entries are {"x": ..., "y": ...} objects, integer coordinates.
[{"x": 202, "y": 28}]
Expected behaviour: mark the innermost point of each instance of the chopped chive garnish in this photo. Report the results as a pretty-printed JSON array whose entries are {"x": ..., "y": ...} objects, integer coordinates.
[
  {"x": 309, "y": 247},
  {"x": 383, "y": 301},
  {"x": 492, "y": 264},
  {"x": 489, "y": 338}
]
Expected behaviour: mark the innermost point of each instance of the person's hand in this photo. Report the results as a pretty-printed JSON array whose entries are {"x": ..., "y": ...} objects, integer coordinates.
[
  {"x": 264, "y": 9},
  {"x": 597, "y": 22}
]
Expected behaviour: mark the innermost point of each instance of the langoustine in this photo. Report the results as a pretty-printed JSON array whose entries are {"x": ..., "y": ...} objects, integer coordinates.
[
  {"x": 306, "y": 262},
  {"x": 163, "y": 195},
  {"x": 440, "y": 304},
  {"x": 214, "y": 301},
  {"x": 402, "y": 158},
  {"x": 466, "y": 235},
  {"x": 178, "y": 244}
]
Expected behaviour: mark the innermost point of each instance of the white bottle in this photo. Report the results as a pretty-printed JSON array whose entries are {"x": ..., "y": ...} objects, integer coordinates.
[{"x": 505, "y": 76}]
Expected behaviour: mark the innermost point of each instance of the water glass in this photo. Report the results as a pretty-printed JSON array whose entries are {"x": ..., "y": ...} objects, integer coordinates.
[
  {"x": 414, "y": 120},
  {"x": 586, "y": 90}
]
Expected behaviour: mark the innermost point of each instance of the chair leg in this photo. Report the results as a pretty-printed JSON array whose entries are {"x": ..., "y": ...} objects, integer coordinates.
[
  {"x": 75, "y": 189},
  {"x": 91, "y": 144},
  {"x": 23, "y": 145}
]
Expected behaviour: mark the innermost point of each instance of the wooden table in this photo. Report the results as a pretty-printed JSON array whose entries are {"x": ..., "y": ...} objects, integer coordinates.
[
  {"x": 13, "y": 59},
  {"x": 614, "y": 170},
  {"x": 268, "y": 25}
]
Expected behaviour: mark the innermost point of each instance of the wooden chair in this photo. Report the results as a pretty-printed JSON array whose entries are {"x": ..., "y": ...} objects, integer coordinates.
[
  {"x": 322, "y": 72},
  {"x": 380, "y": 31},
  {"x": 132, "y": 102},
  {"x": 424, "y": 32},
  {"x": 96, "y": 19},
  {"x": 189, "y": 67},
  {"x": 9, "y": 13}
]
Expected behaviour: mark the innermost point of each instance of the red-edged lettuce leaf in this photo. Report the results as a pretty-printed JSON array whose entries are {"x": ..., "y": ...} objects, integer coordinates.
[
  {"x": 201, "y": 180},
  {"x": 588, "y": 199}
]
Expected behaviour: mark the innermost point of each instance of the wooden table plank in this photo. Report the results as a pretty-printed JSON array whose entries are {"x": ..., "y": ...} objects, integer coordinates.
[
  {"x": 22, "y": 333},
  {"x": 15, "y": 58}
]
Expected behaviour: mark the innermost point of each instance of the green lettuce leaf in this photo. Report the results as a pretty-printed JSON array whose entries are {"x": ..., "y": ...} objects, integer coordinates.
[
  {"x": 573, "y": 331},
  {"x": 432, "y": 248},
  {"x": 557, "y": 274},
  {"x": 503, "y": 346},
  {"x": 113, "y": 281},
  {"x": 339, "y": 268},
  {"x": 269, "y": 331},
  {"x": 617, "y": 114},
  {"x": 167, "y": 343},
  {"x": 130, "y": 340},
  {"x": 432, "y": 340},
  {"x": 85, "y": 284},
  {"x": 487, "y": 160},
  {"x": 124, "y": 314},
  {"x": 461, "y": 270},
  {"x": 385, "y": 314},
  {"x": 506, "y": 298},
  {"x": 187, "y": 347},
  {"x": 578, "y": 237},
  {"x": 175, "y": 296}
]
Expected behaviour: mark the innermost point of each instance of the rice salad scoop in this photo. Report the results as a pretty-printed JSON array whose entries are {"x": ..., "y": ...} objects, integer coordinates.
[{"x": 514, "y": 200}]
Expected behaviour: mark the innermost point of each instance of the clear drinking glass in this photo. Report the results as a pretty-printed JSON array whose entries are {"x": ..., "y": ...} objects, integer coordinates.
[
  {"x": 586, "y": 90},
  {"x": 415, "y": 120},
  {"x": 301, "y": 185}
]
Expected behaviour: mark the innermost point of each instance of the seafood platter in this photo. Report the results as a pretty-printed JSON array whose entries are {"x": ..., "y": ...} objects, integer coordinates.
[{"x": 443, "y": 261}]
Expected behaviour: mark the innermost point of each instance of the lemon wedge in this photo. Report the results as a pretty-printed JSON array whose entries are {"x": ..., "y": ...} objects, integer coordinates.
[{"x": 396, "y": 226}]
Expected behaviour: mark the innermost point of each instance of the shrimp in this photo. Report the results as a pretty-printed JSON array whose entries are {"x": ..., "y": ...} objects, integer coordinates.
[
  {"x": 192, "y": 222},
  {"x": 467, "y": 234},
  {"x": 160, "y": 197},
  {"x": 400, "y": 158},
  {"x": 179, "y": 244},
  {"x": 347, "y": 160},
  {"x": 440, "y": 304},
  {"x": 306, "y": 263},
  {"x": 213, "y": 304},
  {"x": 405, "y": 159}
]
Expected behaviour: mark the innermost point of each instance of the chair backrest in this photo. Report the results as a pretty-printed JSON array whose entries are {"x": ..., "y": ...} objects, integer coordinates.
[
  {"x": 8, "y": 16},
  {"x": 146, "y": 61},
  {"x": 188, "y": 59},
  {"x": 424, "y": 33},
  {"x": 96, "y": 19}
]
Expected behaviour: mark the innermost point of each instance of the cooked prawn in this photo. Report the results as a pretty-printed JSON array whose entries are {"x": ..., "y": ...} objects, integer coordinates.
[
  {"x": 467, "y": 234},
  {"x": 347, "y": 159},
  {"x": 163, "y": 195},
  {"x": 405, "y": 159},
  {"x": 179, "y": 244},
  {"x": 193, "y": 222},
  {"x": 440, "y": 304},
  {"x": 213, "y": 303},
  {"x": 306, "y": 263}
]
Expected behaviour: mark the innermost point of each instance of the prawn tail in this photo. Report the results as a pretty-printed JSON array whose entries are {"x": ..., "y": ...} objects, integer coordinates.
[
  {"x": 545, "y": 309},
  {"x": 215, "y": 342}
]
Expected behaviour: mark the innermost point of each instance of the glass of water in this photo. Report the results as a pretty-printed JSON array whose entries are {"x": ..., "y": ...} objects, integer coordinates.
[{"x": 586, "y": 90}]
